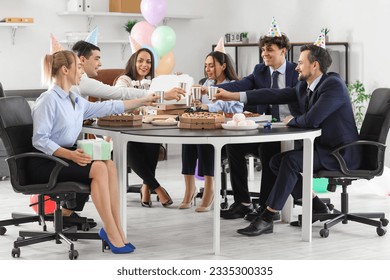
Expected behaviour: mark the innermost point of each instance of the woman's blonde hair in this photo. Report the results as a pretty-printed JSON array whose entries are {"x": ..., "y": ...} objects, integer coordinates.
[{"x": 53, "y": 62}]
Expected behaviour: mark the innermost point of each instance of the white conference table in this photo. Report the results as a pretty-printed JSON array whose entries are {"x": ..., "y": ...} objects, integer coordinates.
[{"x": 218, "y": 138}]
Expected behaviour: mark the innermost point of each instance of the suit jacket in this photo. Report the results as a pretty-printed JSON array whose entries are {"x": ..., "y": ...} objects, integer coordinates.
[
  {"x": 329, "y": 109},
  {"x": 261, "y": 78}
]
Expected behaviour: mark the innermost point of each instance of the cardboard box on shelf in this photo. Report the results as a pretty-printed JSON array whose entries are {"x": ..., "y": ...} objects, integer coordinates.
[
  {"x": 125, "y": 6},
  {"x": 115, "y": 6},
  {"x": 131, "y": 6}
]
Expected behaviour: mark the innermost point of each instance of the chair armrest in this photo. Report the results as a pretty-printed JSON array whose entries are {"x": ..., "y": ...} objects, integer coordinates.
[
  {"x": 371, "y": 173},
  {"x": 14, "y": 170}
]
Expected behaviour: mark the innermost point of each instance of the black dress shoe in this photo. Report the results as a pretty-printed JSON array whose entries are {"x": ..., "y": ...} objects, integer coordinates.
[
  {"x": 236, "y": 211},
  {"x": 255, "y": 213},
  {"x": 257, "y": 227},
  {"x": 299, "y": 222}
]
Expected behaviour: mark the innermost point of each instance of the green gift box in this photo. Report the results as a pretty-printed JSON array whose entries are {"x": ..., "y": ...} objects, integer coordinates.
[{"x": 98, "y": 149}]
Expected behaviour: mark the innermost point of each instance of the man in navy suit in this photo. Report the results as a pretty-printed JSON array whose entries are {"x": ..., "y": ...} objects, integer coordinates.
[
  {"x": 273, "y": 51},
  {"x": 324, "y": 103}
]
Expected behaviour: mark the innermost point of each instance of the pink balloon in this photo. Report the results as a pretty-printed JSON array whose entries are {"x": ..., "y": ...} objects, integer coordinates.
[
  {"x": 166, "y": 64},
  {"x": 142, "y": 33},
  {"x": 154, "y": 10}
]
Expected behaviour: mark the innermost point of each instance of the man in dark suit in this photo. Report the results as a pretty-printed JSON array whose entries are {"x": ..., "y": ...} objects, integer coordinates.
[
  {"x": 324, "y": 103},
  {"x": 274, "y": 72}
]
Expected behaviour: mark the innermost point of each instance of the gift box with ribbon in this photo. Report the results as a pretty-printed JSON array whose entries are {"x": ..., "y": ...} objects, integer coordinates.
[{"x": 98, "y": 149}]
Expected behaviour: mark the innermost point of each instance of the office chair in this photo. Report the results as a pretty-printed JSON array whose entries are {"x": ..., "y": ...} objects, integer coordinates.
[
  {"x": 372, "y": 139},
  {"x": 41, "y": 217},
  {"x": 16, "y": 129}
]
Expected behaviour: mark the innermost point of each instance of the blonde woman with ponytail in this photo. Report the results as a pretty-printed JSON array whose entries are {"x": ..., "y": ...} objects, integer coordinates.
[{"x": 58, "y": 115}]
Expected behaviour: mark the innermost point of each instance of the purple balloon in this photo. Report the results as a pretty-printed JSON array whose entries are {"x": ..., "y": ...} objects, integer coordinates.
[{"x": 154, "y": 10}]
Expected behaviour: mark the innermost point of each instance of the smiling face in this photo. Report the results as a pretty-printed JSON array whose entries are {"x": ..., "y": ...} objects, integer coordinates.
[
  {"x": 143, "y": 65},
  {"x": 273, "y": 56},
  {"x": 92, "y": 64},
  {"x": 214, "y": 70},
  {"x": 308, "y": 71}
]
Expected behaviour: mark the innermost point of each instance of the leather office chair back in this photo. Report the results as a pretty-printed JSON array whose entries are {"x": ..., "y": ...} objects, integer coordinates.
[
  {"x": 16, "y": 129},
  {"x": 375, "y": 127}
]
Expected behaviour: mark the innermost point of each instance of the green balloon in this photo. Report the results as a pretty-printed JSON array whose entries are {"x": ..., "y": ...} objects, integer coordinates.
[{"x": 163, "y": 40}]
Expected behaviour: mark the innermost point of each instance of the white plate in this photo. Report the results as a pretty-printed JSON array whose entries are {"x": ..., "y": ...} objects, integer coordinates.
[
  {"x": 163, "y": 123},
  {"x": 236, "y": 127}
]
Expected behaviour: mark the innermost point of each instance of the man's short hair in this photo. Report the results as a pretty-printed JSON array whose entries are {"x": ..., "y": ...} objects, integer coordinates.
[
  {"x": 318, "y": 54},
  {"x": 280, "y": 41},
  {"x": 83, "y": 48}
]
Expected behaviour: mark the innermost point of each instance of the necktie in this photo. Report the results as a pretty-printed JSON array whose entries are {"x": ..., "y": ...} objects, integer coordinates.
[
  {"x": 275, "y": 107},
  {"x": 308, "y": 97}
]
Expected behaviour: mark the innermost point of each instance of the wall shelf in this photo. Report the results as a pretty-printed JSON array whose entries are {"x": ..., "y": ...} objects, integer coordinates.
[
  {"x": 14, "y": 26},
  {"x": 123, "y": 43},
  {"x": 91, "y": 15}
]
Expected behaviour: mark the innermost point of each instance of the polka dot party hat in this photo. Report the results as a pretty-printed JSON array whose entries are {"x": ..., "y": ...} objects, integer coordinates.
[
  {"x": 92, "y": 37},
  {"x": 321, "y": 39},
  {"x": 274, "y": 30},
  {"x": 55, "y": 46}
]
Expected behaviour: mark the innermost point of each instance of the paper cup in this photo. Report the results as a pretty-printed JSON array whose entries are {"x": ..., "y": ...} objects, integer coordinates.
[
  {"x": 161, "y": 94},
  {"x": 196, "y": 92},
  {"x": 189, "y": 100},
  {"x": 182, "y": 85},
  {"x": 212, "y": 92}
]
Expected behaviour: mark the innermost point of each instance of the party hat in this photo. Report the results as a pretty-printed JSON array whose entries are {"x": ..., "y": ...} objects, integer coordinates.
[
  {"x": 274, "y": 30},
  {"x": 220, "y": 46},
  {"x": 55, "y": 46},
  {"x": 135, "y": 46},
  {"x": 321, "y": 40},
  {"x": 92, "y": 37}
]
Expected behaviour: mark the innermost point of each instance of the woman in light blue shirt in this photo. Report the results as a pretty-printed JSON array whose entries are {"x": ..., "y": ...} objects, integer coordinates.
[{"x": 58, "y": 116}]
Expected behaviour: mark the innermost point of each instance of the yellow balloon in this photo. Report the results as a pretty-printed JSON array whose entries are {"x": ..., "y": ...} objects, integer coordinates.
[{"x": 166, "y": 64}]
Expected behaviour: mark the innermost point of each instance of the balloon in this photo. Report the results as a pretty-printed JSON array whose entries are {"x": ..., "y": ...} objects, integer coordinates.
[
  {"x": 163, "y": 40},
  {"x": 142, "y": 32},
  {"x": 154, "y": 10},
  {"x": 50, "y": 205},
  {"x": 166, "y": 64},
  {"x": 155, "y": 55}
]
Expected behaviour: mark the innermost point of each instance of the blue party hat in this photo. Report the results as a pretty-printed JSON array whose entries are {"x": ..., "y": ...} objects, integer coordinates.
[{"x": 92, "y": 37}]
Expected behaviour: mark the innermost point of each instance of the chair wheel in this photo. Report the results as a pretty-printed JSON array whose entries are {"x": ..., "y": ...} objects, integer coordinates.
[
  {"x": 381, "y": 231},
  {"x": 3, "y": 230},
  {"x": 15, "y": 252},
  {"x": 324, "y": 233},
  {"x": 73, "y": 254},
  {"x": 384, "y": 222}
]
